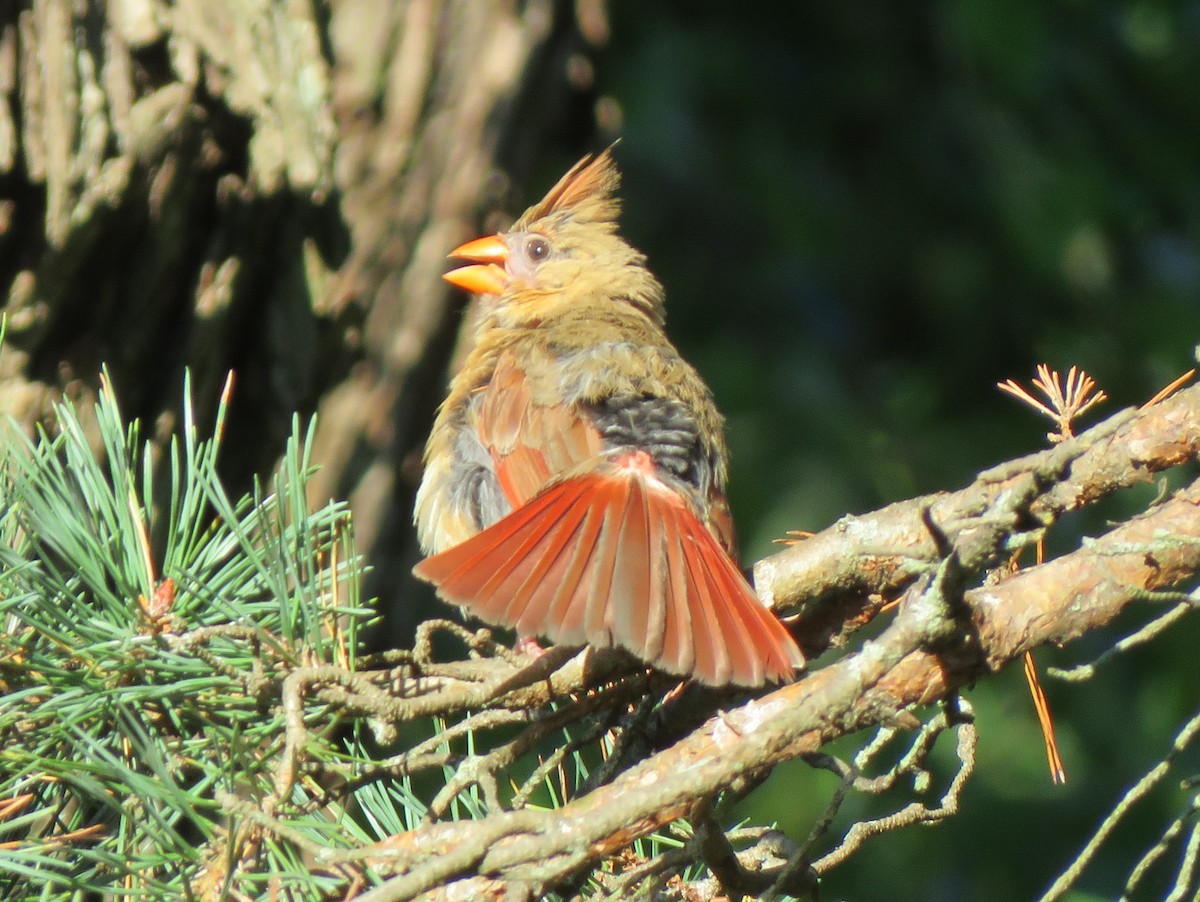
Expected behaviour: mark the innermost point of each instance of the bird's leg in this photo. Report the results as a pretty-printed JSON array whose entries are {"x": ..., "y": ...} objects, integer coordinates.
[{"x": 528, "y": 645}]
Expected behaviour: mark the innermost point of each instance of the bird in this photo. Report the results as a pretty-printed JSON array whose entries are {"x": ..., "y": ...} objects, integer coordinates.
[{"x": 574, "y": 479}]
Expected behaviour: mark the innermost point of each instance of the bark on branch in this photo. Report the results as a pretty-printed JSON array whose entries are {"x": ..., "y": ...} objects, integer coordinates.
[{"x": 844, "y": 574}]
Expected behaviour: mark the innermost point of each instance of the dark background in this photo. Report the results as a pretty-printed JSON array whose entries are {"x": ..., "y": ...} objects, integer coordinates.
[{"x": 866, "y": 214}]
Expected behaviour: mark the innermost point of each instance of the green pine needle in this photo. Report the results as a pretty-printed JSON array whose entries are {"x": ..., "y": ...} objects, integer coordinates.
[{"x": 147, "y": 629}]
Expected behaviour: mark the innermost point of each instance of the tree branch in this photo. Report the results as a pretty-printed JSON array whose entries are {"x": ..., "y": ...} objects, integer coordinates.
[
  {"x": 845, "y": 574},
  {"x": 941, "y": 638}
]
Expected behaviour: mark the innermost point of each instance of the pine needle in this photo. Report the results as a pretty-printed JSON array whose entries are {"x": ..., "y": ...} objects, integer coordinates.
[
  {"x": 1058, "y": 772},
  {"x": 1169, "y": 390},
  {"x": 1067, "y": 401}
]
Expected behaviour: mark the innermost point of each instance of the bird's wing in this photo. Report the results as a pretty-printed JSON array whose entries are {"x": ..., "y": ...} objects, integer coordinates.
[
  {"x": 603, "y": 548},
  {"x": 530, "y": 444}
]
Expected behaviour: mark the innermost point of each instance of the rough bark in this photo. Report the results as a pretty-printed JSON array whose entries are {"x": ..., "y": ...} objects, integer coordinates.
[{"x": 270, "y": 188}]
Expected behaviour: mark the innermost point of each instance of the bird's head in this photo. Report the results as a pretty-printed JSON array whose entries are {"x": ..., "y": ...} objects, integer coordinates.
[{"x": 564, "y": 250}]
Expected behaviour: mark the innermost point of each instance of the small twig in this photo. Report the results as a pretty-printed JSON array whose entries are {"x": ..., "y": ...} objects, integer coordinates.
[
  {"x": 643, "y": 880},
  {"x": 1187, "y": 868},
  {"x": 479, "y": 641},
  {"x": 712, "y": 845},
  {"x": 426, "y": 754},
  {"x": 1133, "y": 795},
  {"x": 367, "y": 699},
  {"x": 800, "y": 858},
  {"x": 548, "y": 765},
  {"x": 715, "y": 849},
  {"x": 1083, "y": 672},
  {"x": 473, "y": 770},
  {"x": 914, "y": 812},
  {"x": 233, "y": 804},
  {"x": 1159, "y": 849},
  {"x": 957, "y": 712},
  {"x": 629, "y": 736}
]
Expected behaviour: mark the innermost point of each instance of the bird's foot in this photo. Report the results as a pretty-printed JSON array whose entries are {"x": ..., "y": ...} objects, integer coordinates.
[{"x": 529, "y": 646}]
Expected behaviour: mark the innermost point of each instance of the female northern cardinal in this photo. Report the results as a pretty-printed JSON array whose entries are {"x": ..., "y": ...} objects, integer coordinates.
[{"x": 574, "y": 481}]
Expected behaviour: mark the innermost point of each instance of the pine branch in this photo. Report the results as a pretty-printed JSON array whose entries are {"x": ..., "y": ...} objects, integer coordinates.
[{"x": 136, "y": 680}]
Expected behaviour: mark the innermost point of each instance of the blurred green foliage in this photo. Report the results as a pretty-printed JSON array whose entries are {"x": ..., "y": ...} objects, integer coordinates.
[{"x": 868, "y": 213}]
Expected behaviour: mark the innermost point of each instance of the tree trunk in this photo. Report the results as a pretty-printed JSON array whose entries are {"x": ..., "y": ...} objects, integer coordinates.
[{"x": 270, "y": 188}]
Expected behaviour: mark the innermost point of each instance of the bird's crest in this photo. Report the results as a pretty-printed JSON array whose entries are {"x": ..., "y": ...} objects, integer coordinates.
[{"x": 587, "y": 193}]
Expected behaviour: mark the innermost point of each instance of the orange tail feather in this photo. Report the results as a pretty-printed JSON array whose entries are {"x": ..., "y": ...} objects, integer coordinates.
[{"x": 615, "y": 557}]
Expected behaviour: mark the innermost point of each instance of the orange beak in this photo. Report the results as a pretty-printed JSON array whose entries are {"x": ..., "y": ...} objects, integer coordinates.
[{"x": 487, "y": 275}]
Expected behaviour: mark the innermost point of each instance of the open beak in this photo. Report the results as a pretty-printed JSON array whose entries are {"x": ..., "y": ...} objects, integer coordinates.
[{"x": 486, "y": 275}]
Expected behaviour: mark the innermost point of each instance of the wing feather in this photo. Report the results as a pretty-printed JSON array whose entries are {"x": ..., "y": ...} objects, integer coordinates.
[{"x": 604, "y": 549}]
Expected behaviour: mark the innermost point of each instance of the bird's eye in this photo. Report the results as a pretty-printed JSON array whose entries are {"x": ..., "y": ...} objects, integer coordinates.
[{"x": 537, "y": 248}]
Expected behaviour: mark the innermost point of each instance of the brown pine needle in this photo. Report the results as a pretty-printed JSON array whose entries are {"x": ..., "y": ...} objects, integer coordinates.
[
  {"x": 564, "y": 790},
  {"x": 223, "y": 406},
  {"x": 1066, "y": 401},
  {"x": 794, "y": 537},
  {"x": 84, "y": 834},
  {"x": 1058, "y": 773},
  {"x": 1170, "y": 389},
  {"x": 14, "y": 806}
]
